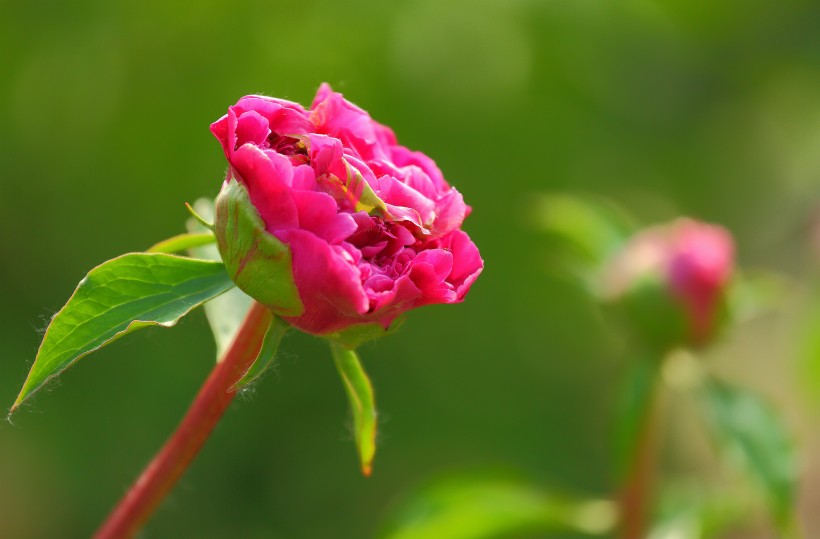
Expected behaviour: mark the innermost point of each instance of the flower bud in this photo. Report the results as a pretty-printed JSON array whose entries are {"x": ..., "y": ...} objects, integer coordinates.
[
  {"x": 672, "y": 281},
  {"x": 333, "y": 225}
]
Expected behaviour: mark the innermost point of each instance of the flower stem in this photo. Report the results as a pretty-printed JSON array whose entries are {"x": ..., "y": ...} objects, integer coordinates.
[
  {"x": 179, "y": 451},
  {"x": 637, "y": 487}
]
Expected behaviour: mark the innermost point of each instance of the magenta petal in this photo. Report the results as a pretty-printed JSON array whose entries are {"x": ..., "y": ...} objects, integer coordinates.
[
  {"x": 329, "y": 283},
  {"x": 428, "y": 272},
  {"x": 450, "y": 213},
  {"x": 318, "y": 213},
  {"x": 324, "y": 153},
  {"x": 284, "y": 117},
  {"x": 467, "y": 262},
  {"x": 304, "y": 179},
  {"x": 252, "y": 128},
  {"x": 403, "y": 157},
  {"x": 268, "y": 179},
  {"x": 396, "y": 193}
]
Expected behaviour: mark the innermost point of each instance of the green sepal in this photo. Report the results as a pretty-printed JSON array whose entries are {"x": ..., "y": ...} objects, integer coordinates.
[
  {"x": 270, "y": 345},
  {"x": 201, "y": 220},
  {"x": 354, "y": 336},
  {"x": 362, "y": 403},
  {"x": 259, "y": 264},
  {"x": 121, "y": 295},
  {"x": 225, "y": 313}
]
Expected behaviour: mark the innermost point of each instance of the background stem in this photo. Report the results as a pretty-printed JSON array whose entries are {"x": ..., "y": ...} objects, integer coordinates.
[
  {"x": 179, "y": 451},
  {"x": 637, "y": 489}
]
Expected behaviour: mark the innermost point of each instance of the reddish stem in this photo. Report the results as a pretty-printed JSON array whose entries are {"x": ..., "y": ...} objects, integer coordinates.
[
  {"x": 636, "y": 493},
  {"x": 179, "y": 451}
]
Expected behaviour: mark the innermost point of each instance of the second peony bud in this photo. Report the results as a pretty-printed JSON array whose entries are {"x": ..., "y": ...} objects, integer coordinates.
[{"x": 672, "y": 280}]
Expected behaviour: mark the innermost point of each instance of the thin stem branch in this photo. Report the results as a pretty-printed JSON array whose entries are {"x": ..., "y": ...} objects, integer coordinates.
[
  {"x": 638, "y": 486},
  {"x": 179, "y": 451}
]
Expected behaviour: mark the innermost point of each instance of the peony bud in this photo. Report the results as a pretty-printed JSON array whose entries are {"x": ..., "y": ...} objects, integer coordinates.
[
  {"x": 325, "y": 219},
  {"x": 672, "y": 280}
]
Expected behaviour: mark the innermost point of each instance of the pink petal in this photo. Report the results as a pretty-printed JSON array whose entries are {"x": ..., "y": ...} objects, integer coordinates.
[
  {"x": 318, "y": 213},
  {"x": 267, "y": 177},
  {"x": 328, "y": 283}
]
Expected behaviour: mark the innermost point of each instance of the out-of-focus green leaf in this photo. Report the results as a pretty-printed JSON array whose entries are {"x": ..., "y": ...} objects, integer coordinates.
[
  {"x": 362, "y": 404},
  {"x": 751, "y": 434},
  {"x": 586, "y": 232},
  {"x": 257, "y": 261},
  {"x": 753, "y": 294},
  {"x": 637, "y": 396},
  {"x": 126, "y": 293},
  {"x": 270, "y": 345},
  {"x": 182, "y": 242},
  {"x": 489, "y": 508},
  {"x": 700, "y": 513},
  {"x": 226, "y": 312}
]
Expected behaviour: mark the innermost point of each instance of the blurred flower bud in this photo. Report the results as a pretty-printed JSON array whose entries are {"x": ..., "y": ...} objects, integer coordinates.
[{"x": 671, "y": 280}]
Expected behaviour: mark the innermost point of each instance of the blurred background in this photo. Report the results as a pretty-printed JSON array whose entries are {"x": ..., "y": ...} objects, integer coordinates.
[{"x": 668, "y": 107}]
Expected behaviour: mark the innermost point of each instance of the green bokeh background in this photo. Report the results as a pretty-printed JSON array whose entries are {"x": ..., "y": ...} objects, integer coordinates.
[{"x": 667, "y": 106}]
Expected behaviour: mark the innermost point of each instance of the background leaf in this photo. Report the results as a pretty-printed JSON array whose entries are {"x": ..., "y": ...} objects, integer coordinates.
[
  {"x": 750, "y": 434},
  {"x": 362, "y": 403},
  {"x": 491, "y": 507},
  {"x": 126, "y": 293}
]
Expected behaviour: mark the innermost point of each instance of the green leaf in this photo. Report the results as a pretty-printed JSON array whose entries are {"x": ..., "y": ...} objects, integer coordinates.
[
  {"x": 362, "y": 405},
  {"x": 182, "y": 242},
  {"x": 489, "y": 508},
  {"x": 270, "y": 345},
  {"x": 698, "y": 512},
  {"x": 751, "y": 434},
  {"x": 127, "y": 293},
  {"x": 226, "y": 312},
  {"x": 256, "y": 260}
]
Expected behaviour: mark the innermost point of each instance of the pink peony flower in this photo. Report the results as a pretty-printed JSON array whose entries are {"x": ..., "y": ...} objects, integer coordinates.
[
  {"x": 372, "y": 228},
  {"x": 692, "y": 260}
]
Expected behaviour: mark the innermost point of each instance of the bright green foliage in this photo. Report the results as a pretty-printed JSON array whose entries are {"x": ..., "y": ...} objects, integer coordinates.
[
  {"x": 126, "y": 293},
  {"x": 490, "y": 508},
  {"x": 258, "y": 263},
  {"x": 362, "y": 404},
  {"x": 751, "y": 434}
]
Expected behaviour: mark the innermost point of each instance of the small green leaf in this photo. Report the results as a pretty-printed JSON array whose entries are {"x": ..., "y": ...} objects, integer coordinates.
[
  {"x": 362, "y": 405},
  {"x": 270, "y": 345},
  {"x": 182, "y": 242},
  {"x": 495, "y": 508},
  {"x": 256, "y": 260},
  {"x": 750, "y": 434},
  {"x": 127, "y": 293}
]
